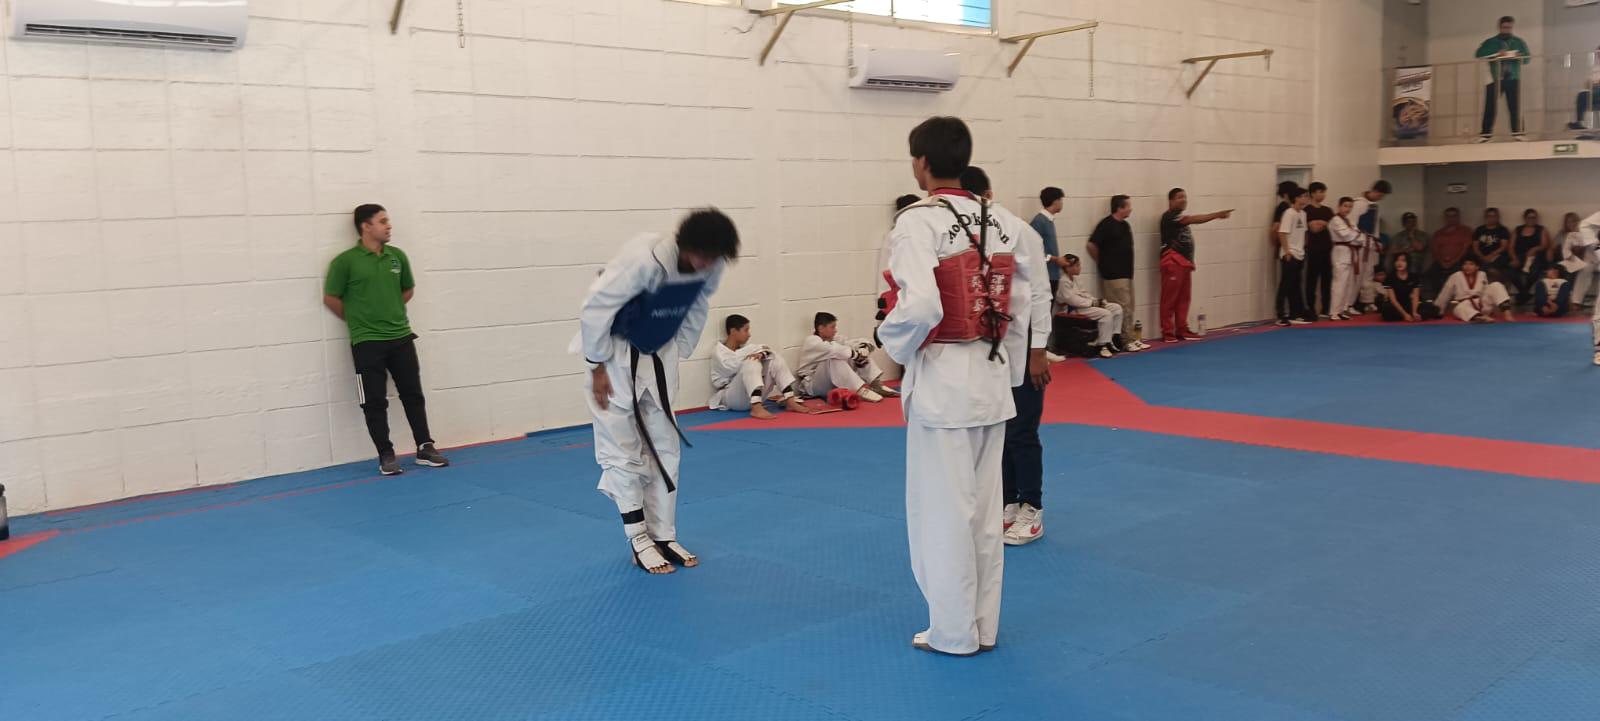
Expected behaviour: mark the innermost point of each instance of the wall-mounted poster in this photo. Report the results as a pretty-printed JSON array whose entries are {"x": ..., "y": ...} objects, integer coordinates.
[{"x": 1413, "y": 96}]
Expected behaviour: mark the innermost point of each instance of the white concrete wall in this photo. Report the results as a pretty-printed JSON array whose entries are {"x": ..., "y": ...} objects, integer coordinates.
[
  {"x": 170, "y": 214},
  {"x": 1553, "y": 187}
]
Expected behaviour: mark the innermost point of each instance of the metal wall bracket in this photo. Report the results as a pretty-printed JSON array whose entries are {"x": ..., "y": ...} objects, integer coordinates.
[
  {"x": 1028, "y": 38},
  {"x": 1266, "y": 52},
  {"x": 788, "y": 12}
]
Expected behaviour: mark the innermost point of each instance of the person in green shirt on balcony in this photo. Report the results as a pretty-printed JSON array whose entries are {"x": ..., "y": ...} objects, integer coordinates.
[{"x": 1506, "y": 54}]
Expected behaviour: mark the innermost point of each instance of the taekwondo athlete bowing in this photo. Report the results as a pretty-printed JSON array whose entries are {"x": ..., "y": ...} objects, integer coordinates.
[
  {"x": 952, "y": 262},
  {"x": 643, "y": 314}
]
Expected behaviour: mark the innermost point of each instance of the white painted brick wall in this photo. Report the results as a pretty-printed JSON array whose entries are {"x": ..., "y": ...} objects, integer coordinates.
[{"x": 169, "y": 214}]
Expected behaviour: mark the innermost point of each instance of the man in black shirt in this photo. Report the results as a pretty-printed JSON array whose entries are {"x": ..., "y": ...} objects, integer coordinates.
[
  {"x": 1177, "y": 263},
  {"x": 1492, "y": 245},
  {"x": 1111, "y": 246},
  {"x": 1319, "y": 251}
]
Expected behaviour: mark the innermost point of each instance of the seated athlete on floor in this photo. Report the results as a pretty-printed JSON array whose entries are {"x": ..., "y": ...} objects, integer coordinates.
[
  {"x": 1469, "y": 296},
  {"x": 1402, "y": 295},
  {"x": 1552, "y": 294},
  {"x": 826, "y": 364},
  {"x": 745, "y": 375}
]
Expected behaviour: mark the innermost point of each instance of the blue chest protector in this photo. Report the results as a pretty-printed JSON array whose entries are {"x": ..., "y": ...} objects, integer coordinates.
[
  {"x": 1368, "y": 222},
  {"x": 649, "y": 323},
  {"x": 651, "y": 320}
]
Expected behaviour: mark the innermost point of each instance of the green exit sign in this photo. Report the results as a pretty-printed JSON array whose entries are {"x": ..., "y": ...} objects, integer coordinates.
[{"x": 1566, "y": 148}]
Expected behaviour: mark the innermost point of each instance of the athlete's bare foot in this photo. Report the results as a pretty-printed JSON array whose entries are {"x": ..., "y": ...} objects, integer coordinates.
[
  {"x": 759, "y": 412},
  {"x": 795, "y": 405},
  {"x": 648, "y": 555},
  {"x": 676, "y": 553}
]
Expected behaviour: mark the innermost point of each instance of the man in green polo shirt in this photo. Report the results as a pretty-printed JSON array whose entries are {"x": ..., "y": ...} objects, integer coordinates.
[
  {"x": 368, "y": 286},
  {"x": 1506, "y": 54}
]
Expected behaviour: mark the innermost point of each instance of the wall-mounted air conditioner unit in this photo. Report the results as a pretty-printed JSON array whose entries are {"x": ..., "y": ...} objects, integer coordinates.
[
  {"x": 204, "y": 24},
  {"x": 927, "y": 71}
]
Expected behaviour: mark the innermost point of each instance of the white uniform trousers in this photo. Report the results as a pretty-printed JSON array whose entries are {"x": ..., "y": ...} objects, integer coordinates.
[
  {"x": 768, "y": 377},
  {"x": 1494, "y": 294},
  {"x": 1343, "y": 290},
  {"x": 836, "y": 373},
  {"x": 628, "y": 474},
  {"x": 954, "y": 513},
  {"x": 1108, "y": 321}
]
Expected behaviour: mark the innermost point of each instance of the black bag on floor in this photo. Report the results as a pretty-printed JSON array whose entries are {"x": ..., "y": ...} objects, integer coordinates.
[{"x": 1073, "y": 335}]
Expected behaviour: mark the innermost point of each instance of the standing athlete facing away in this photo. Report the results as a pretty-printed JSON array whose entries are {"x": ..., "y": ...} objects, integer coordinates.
[
  {"x": 643, "y": 314},
  {"x": 368, "y": 286},
  {"x": 952, "y": 260}
]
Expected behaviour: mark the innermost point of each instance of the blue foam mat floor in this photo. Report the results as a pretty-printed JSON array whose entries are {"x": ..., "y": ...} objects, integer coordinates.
[{"x": 1179, "y": 579}]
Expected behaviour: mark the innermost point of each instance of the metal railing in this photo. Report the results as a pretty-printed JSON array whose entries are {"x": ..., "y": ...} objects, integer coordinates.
[{"x": 1443, "y": 103}]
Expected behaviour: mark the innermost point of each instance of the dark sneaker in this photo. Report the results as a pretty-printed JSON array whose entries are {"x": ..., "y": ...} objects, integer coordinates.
[
  {"x": 387, "y": 465},
  {"x": 428, "y": 456}
]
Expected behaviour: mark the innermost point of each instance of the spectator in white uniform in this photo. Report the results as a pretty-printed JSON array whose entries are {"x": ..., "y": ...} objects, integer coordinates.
[
  {"x": 1106, "y": 315},
  {"x": 745, "y": 375},
  {"x": 826, "y": 364},
  {"x": 1470, "y": 297}
]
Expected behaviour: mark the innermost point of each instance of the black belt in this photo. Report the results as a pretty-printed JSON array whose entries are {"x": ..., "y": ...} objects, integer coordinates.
[{"x": 666, "y": 405}]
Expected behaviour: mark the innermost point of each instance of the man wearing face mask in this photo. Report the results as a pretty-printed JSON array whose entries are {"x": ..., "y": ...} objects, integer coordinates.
[{"x": 1506, "y": 54}]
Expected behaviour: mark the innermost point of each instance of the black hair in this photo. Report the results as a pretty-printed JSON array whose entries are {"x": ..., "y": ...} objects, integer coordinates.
[
  {"x": 1408, "y": 215},
  {"x": 1529, "y": 212},
  {"x": 1507, "y": 19},
  {"x": 1487, "y": 211},
  {"x": 945, "y": 143},
  {"x": 1173, "y": 193},
  {"x": 365, "y": 213},
  {"x": 1452, "y": 209},
  {"x": 1070, "y": 258},
  {"x": 975, "y": 181},
  {"x": 735, "y": 322},
  {"x": 1050, "y": 195},
  {"x": 904, "y": 201},
  {"x": 822, "y": 318},
  {"x": 1383, "y": 186},
  {"x": 1319, "y": 185},
  {"x": 1346, "y": 199},
  {"x": 1297, "y": 192},
  {"x": 1117, "y": 201},
  {"x": 710, "y": 233},
  {"x": 1284, "y": 188}
]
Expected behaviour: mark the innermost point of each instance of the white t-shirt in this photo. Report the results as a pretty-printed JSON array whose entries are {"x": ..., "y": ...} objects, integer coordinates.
[{"x": 1293, "y": 224}]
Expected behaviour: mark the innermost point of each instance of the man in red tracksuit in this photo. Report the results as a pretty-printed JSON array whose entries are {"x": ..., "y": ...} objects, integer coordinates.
[{"x": 1177, "y": 263}]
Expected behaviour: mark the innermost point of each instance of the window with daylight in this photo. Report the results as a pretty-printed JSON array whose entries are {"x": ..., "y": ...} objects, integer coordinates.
[{"x": 966, "y": 13}]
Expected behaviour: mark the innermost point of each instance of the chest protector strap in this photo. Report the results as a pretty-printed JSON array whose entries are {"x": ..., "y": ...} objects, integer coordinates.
[{"x": 974, "y": 287}]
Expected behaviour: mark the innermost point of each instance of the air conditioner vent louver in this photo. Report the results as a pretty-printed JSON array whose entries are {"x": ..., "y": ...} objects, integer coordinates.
[
  {"x": 210, "y": 25},
  {"x": 905, "y": 84},
  {"x": 129, "y": 36}
]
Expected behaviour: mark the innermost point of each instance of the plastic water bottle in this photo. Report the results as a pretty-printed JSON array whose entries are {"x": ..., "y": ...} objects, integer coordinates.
[
  {"x": 1138, "y": 330},
  {"x": 1200, "y": 324},
  {"x": 5, "y": 521}
]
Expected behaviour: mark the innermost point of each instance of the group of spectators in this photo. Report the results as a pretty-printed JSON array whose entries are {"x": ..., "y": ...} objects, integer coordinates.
[{"x": 1476, "y": 274}]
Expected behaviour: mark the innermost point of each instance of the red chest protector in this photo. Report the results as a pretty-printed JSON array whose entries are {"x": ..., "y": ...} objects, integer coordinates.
[{"x": 974, "y": 286}]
